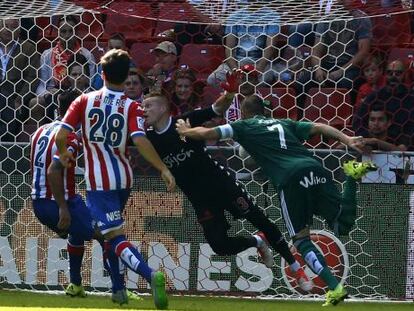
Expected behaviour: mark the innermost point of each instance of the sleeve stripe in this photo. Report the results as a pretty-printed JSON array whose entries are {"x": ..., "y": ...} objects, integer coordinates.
[
  {"x": 137, "y": 133},
  {"x": 67, "y": 126},
  {"x": 56, "y": 157},
  {"x": 226, "y": 131}
]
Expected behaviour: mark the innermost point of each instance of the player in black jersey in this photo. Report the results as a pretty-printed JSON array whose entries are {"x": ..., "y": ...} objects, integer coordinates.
[{"x": 209, "y": 187}]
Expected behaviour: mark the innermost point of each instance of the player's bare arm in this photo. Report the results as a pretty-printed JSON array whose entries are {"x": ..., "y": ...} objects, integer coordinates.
[
  {"x": 56, "y": 183},
  {"x": 147, "y": 150},
  {"x": 65, "y": 156},
  {"x": 356, "y": 142},
  {"x": 197, "y": 133},
  {"x": 231, "y": 87}
]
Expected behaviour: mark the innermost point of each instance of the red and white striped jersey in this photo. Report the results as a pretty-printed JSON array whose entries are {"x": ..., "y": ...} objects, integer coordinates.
[
  {"x": 43, "y": 152},
  {"x": 107, "y": 118}
]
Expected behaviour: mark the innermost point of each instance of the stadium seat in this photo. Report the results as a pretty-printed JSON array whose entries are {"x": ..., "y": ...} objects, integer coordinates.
[
  {"x": 202, "y": 58},
  {"x": 133, "y": 19},
  {"x": 282, "y": 101},
  {"x": 141, "y": 54},
  {"x": 184, "y": 12},
  {"x": 330, "y": 106},
  {"x": 391, "y": 30},
  {"x": 404, "y": 54}
]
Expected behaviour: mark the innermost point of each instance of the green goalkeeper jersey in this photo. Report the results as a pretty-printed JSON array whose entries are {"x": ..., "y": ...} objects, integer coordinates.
[{"x": 275, "y": 144}]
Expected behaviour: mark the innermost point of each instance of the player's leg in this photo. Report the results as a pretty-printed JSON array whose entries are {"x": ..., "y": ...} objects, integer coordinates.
[
  {"x": 354, "y": 171},
  {"x": 105, "y": 207},
  {"x": 215, "y": 227},
  {"x": 47, "y": 211},
  {"x": 297, "y": 211}
]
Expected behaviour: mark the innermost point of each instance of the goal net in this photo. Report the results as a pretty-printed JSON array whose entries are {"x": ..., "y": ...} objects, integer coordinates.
[{"x": 309, "y": 60}]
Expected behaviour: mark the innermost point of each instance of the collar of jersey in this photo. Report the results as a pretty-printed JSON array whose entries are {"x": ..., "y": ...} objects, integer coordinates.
[
  {"x": 110, "y": 90},
  {"x": 258, "y": 116},
  {"x": 166, "y": 128}
]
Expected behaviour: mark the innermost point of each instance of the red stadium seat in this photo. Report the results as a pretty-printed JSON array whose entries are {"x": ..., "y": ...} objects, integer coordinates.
[
  {"x": 404, "y": 54},
  {"x": 142, "y": 56},
  {"x": 135, "y": 20},
  {"x": 202, "y": 58},
  {"x": 183, "y": 12},
  {"x": 330, "y": 106},
  {"x": 282, "y": 101},
  {"x": 391, "y": 30}
]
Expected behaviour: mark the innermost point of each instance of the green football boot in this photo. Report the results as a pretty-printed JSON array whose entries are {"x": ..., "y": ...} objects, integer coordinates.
[
  {"x": 357, "y": 170},
  {"x": 75, "y": 290},
  {"x": 158, "y": 290},
  {"x": 333, "y": 297}
]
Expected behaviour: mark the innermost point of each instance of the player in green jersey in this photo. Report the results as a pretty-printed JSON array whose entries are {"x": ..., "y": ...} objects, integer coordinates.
[{"x": 305, "y": 188}]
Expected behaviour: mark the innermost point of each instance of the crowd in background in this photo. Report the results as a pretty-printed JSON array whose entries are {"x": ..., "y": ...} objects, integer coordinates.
[{"x": 337, "y": 55}]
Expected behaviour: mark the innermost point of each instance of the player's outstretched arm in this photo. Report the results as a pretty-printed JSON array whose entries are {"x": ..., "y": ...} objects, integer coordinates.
[
  {"x": 65, "y": 156},
  {"x": 147, "y": 150},
  {"x": 356, "y": 143},
  {"x": 197, "y": 133},
  {"x": 231, "y": 87},
  {"x": 56, "y": 183}
]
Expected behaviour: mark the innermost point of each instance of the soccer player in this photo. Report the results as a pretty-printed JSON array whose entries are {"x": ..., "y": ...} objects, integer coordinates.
[
  {"x": 209, "y": 187},
  {"x": 57, "y": 205},
  {"x": 107, "y": 118},
  {"x": 305, "y": 188}
]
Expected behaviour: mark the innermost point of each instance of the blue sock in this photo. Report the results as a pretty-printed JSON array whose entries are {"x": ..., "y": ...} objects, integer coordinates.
[
  {"x": 130, "y": 256},
  {"x": 112, "y": 265},
  {"x": 75, "y": 250}
]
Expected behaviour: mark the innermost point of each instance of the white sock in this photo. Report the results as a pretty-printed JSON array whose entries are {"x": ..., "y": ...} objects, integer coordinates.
[
  {"x": 295, "y": 266},
  {"x": 259, "y": 240}
]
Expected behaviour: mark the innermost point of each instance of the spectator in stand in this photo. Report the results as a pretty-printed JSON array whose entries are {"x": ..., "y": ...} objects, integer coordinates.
[
  {"x": 340, "y": 49},
  {"x": 374, "y": 75},
  {"x": 135, "y": 84},
  {"x": 19, "y": 62},
  {"x": 250, "y": 35},
  {"x": 53, "y": 67},
  {"x": 79, "y": 76},
  {"x": 115, "y": 41},
  {"x": 166, "y": 63},
  {"x": 186, "y": 91},
  {"x": 379, "y": 121},
  {"x": 397, "y": 100}
]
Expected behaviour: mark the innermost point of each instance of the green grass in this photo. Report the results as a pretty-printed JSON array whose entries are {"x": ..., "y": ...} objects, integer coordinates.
[{"x": 11, "y": 300}]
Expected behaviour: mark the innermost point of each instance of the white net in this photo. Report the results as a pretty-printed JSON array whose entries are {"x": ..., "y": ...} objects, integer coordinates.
[{"x": 303, "y": 58}]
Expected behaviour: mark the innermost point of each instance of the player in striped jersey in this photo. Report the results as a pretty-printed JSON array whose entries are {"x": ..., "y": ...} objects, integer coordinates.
[
  {"x": 55, "y": 201},
  {"x": 107, "y": 118}
]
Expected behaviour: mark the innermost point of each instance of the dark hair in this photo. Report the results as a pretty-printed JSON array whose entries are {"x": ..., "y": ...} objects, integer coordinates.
[
  {"x": 115, "y": 65},
  {"x": 253, "y": 105},
  {"x": 117, "y": 36},
  {"x": 65, "y": 98},
  {"x": 381, "y": 108},
  {"x": 79, "y": 60}
]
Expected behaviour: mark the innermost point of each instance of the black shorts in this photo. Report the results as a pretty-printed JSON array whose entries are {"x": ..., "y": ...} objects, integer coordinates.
[{"x": 224, "y": 194}]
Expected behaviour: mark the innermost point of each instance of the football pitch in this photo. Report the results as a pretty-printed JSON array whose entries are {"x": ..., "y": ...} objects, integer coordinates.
[{"x": 29, "y": 301}]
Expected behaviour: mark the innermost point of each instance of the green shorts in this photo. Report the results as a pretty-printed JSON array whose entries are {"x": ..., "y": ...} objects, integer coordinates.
[{"x": 310, "y": 191}]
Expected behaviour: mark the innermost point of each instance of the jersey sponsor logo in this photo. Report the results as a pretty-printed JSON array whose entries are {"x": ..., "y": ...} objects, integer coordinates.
[
  {"x": 114, "y": 215},
  {"x": 141, "y": 122},
  {"x": 336, "y": 258},
  {"x": 312, "y": 180},
  {"x": 176, "y": 159}
]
